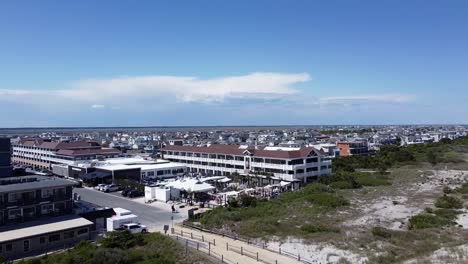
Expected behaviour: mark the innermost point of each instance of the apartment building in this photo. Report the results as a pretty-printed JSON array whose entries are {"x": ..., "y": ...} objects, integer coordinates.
[
  {"x": 304, "y": 163},
  {"x": 28, "y": 198},
  {"x": 36, "y": 216},
  {"x": 353, "y": 148},
  {"x": 39, "y": 153}
]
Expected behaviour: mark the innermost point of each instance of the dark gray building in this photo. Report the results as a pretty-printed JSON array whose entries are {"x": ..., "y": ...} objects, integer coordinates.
[
  {"x": 36, "y": 216},
  {"x": 6, "y": 170},
  {"x": 29, "y": 198}
]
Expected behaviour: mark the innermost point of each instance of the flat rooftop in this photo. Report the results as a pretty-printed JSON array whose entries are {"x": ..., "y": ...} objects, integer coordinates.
[
  {"x": 167, "y": 165},
  {"x": 24, "y": 183},
  {"x": 41, "y": 228}
]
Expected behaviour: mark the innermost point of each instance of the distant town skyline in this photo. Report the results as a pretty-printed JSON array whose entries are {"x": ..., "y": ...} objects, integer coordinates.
[{"x": 210, "y": 63}]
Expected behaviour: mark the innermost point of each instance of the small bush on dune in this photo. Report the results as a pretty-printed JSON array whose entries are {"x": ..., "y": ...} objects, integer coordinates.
[
  {"x": 381, "y": 232},
  {"x": 310, "y": 229},
  {"x": 428, "y": 221},
  {"x": 449, "y": 202}
]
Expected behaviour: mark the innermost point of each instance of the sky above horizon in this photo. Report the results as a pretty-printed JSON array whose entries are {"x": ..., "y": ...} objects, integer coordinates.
[{"x": 185, "y": 63}]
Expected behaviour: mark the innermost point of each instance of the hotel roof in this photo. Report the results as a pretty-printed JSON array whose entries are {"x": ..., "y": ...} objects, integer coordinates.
[{"x": 239, "y": 151}]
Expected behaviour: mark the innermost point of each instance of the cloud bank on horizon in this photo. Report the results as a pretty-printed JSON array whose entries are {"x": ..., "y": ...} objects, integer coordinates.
[{"x": 259, "y": 97}]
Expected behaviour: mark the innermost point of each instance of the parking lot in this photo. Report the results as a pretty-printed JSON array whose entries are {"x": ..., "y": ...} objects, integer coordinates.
[{"x": 154, "y": 216}]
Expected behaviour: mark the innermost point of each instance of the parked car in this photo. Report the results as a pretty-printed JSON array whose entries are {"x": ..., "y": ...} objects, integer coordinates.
[
  {"x": 99, "y": 186},
  {"x": 111, "y": 188},
  {"x": 126, "y": 191},
  {"x": 134, "y": 228},
  {"x": 135, "y": 193}
]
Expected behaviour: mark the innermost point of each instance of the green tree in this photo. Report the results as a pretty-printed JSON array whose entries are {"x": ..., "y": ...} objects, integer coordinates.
[{"x": 431, "y": 157}]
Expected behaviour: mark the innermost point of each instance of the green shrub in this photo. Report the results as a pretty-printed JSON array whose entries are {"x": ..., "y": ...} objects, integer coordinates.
[
  {"x": 342, "y": 185},
  {"x": 429, "y": 210},
  {"x": 248, "y": 201},
  {"x": 447, "y": 190},
  {"x": 327, "y": 200},
  {"x": 121, "y": 239},
  {"x": 428, "y": 221},
  {"x": 369, "y": 179},
  {"x": 310, "y": 229},
  {"x": 447, "y": 213},
  {"x": 449, "y": 202},
  {"x": 381, "y": 232},
  {"x": 463, "y": 189}
]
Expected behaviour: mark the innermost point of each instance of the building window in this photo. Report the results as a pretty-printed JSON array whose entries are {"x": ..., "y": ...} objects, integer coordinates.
[
  {"x": 46, "y": 193},
  {"x": 14, "y": 213},
  {"x": 13, "y": 197},
  {"x": 59, "y": 207},
  {"x": 29, "y": 211},
  {"x": 82, "y": 231},
  {"x": 42, "y": 240},
  {"x": 68, "y": 234},
  {"x": 26, "y": 245},
  {"x": 54, "y": 237},
  {"x": 8, "y": 247},
  {"x": 47, "y": 209}
]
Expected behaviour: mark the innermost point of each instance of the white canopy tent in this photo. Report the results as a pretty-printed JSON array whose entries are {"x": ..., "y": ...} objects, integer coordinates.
[{"x": 191, "y": 185}]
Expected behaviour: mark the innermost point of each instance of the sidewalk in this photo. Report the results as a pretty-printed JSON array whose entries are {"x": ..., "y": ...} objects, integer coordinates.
[{"x": 234, "y": 250}]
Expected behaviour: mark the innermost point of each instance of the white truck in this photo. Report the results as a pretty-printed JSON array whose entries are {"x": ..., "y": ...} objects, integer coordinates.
[
  {"x": 121, "y": 218},
  {"x": 134, "y": 228}
]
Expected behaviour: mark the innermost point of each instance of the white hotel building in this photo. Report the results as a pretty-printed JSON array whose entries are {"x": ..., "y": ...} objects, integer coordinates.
[{"x": 304, "y": 164}]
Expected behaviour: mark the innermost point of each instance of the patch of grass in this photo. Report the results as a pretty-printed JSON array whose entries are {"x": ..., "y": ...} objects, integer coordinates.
[
  {"x": 447, "y": 213},
  {"x": 381, "y": 232},
  {"x": 282, "y": 216},
  {"x": 124, "y": 248},
  {"x": 309, "y": 229},
  {"x": 342, "y": 185},
  {"x": 422, "y": 221},
  {"x": 449, "y": 202},
  {"x": 372, "y": 179},
  {"x": 463, "y": 189}
]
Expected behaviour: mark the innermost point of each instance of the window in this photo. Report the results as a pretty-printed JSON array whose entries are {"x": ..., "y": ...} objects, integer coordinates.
[
  {"x": 42, "y": 240},
  {"x": 14, "y": 213},
  {"x": 47, "y": 209},
  {"x": 160, "y": 172},
  {"x": 150, "y": 173},
  {"x": 68, "y": 234},
  {"x": 54, "y": 237},
  {"x": 82, "y": 231},
  {"x": 59, "y": 207},
  {"x": 8, "y": 247},
  {"x": 29, "y": 211},
  {"x": 26, "y": 245},
  {"x": 46, "y": 193},
  {"x": 13, "y": 197}
]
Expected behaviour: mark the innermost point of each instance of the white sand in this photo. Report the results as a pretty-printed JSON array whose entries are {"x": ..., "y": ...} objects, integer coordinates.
[{"x": 457, "y": 254}]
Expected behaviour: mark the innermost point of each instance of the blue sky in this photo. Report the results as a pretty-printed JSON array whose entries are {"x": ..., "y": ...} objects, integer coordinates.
[{"x": 162, "y": 63}]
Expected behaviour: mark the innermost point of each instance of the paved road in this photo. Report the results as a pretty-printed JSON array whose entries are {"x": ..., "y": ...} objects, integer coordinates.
[{"x": 150, "y": 215}]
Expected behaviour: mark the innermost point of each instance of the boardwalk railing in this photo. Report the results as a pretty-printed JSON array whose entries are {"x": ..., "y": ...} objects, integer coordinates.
[
  {"x": 241, "y": 250},
  {"x": 202, "y": 247}
]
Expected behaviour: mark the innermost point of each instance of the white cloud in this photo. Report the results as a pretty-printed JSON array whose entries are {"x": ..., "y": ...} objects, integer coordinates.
[
  {"x": 97, "y": 106},
  {"x": 161, "y": 92},
  {"x": 361, "y": 99},
  {"x": 162, "y": 88}
]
